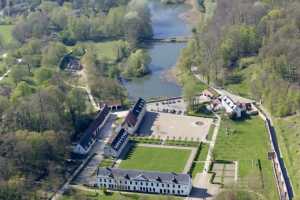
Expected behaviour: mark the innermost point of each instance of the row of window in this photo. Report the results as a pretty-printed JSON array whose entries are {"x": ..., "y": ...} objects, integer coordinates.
[
  {"x": 142, "y": 183},
  {"x": 143, "y": 189}
]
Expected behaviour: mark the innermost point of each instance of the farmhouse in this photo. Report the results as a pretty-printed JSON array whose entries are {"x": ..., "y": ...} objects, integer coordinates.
[
  {"x": 135, "y": 116},
  {"x": 89, "y": 137},
  {"x": 144, "y": 181},
  {"x": 231, "y": 107},
  {"x": 116, "y": 143}
]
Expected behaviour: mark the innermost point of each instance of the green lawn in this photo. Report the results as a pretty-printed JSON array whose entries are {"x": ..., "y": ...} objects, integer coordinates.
[
  {"x": 105, "y": 50},
  {"x": 247, "y": 142},
  {"x": 6, "y": 32},
  {"x": 99, "y": 195},
  {"x": 156, "y": 159},
  {"x": 203, "y": 152},
  {"x": 288, "y": 135},
  {"x": 197, "y": 168}
]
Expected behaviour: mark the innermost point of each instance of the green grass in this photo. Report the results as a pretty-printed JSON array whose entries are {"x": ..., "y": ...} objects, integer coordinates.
[
  {"x": 203, "y": 152},
  {"x": 6, "y": 32},
  {"x": 99, "y": 195},
  {"x": 156, "y": 159},
  {"x": 211, "y": 131},
  {"x": 104, "y": 50},
  {"x": 247, "y": 142},
  {"x": 197, "y": 168},
  {"x": 288, "y": 134}
]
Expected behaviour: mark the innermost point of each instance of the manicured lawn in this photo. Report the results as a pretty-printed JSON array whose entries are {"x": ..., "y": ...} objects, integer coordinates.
[
  {"x": 247, "y": 142},
  {"x": 156, "y": 159},
  {"x": 99, "y": 195},
  {"x": 288, "y": 135},
  {"x": 5, "y": 32},
  {"x": 203, "y": 152},
  {"x": 197, "y": 168}
]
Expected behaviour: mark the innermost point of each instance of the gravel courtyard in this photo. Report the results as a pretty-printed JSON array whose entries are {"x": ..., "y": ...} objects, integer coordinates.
[{"x": 171, "y": 125}]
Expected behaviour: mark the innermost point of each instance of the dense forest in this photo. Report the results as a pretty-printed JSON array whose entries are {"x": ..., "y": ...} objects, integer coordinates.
[
  {"x": 253, "y": 47},
  {"x": 41, "y": 111}
]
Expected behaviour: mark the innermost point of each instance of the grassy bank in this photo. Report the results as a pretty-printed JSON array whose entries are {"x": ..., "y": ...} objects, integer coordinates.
[{"x": 288, "y": 134}]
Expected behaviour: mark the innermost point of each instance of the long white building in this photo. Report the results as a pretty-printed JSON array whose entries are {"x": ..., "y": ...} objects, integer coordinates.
[
  {"x": 231, "y": 107},
  {"x": 144, "y": 181}
]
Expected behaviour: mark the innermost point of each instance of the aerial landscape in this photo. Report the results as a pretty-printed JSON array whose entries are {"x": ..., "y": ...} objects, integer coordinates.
[{"x": 149, "y": 100}]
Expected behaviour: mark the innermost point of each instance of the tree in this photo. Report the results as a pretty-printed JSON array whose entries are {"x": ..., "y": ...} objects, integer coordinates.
[
  {"x": 137, "y": 64},
  {"x": 43, "y": 74},
  {"x": 53, "y": 54}
]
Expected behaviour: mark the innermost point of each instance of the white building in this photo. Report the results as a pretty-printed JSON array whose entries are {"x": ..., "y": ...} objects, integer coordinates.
[
  {"x": 135, "y": 116},
  {"x": 231, "y": 107},
  {"x": 89, "y": 137},
  {"x": 144, "y": 181},
  {"x": 116, "y": 144}
]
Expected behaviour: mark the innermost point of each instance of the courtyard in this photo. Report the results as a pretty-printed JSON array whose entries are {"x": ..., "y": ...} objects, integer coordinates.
[
  {"x": 165, "y": 125},
  {"x": 152, "y": 158}
]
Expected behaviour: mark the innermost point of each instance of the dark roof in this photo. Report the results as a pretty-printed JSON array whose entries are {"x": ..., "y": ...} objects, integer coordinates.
[
  {"x": 145, "y": 175},
  {"x": 138, "y": 107},
  {"x": 89, "y": 133},
  {"x": 118, "y": 139},
  {"x": 132, "y": 116}
]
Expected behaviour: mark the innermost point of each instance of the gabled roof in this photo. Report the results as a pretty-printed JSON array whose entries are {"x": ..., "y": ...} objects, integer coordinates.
[
  {"x": 133, "y": 114},
  {"x": 118, "y": 139},
  {"x": 89, "y": 134},
  {"x": 152, "y": 176}
]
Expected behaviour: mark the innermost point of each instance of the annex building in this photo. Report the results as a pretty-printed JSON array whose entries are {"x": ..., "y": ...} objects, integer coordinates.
[
  {"x": 135, "y": 116},
  {"x": 89, "y": 136},
  {"x": 144, "y": 181},
  {"x": 116, "y": 143}
]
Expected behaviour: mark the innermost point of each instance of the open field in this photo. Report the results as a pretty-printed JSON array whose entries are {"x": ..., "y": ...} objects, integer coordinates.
[
  {"x": 6, "y": 32},
  {"x": 99, "y": 195},
  {"x": 170, "y": 126},
  {"x": 105, "y": 50},
  {"x": 288, "y": 134},
  {"x": 156, "y": 159},
  {"x": 247, "y": 142}
]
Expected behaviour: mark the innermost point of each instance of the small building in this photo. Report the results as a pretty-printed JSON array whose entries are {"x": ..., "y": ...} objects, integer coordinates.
[
  {"x": 233, "y": 109},
  {"x": 135, "y": 116},
  {"x": 210, "y": 93},
  {"x": 144, "y": 181},
  {"x": 116, "y": 144},
  {"x": 90, "y": 135}
]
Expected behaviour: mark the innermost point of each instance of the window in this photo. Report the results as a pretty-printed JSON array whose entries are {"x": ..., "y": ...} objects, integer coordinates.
[
  {"x": 104, "y": 180},
  {"x": 100, "y": 179},
  {"x": 173, "y": 186},
  {"x": 151, "y": 184},
  {"x": 130, "y": 182},
  {"x": 125, "y": 182},
  {"x": 146, "y": 184},
  {"x": 162, "y": 185},
  {"x": 168, "y": 185},
  {"x": 178, "y": 186}
]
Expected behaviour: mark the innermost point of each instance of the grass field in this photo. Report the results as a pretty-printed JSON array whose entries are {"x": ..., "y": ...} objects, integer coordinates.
[
  {"x": 105, "y": 50},
  {"x": 99, "y": 195},
  {"x": 288, "y": 134},
  {"x": 247, "y": 142},
  {"x": 6, "y": 32},
  {"x": 156, "y": 159}
]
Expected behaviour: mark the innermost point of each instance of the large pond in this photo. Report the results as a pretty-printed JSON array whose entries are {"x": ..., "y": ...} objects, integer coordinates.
[{"x": 166, "y": 23}]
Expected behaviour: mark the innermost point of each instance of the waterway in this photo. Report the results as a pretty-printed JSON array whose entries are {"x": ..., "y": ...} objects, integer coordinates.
[{"x": 166, "y": 23}]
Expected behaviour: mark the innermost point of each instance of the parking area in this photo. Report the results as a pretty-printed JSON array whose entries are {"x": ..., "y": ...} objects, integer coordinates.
[{"x": 172, "y": 126}]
